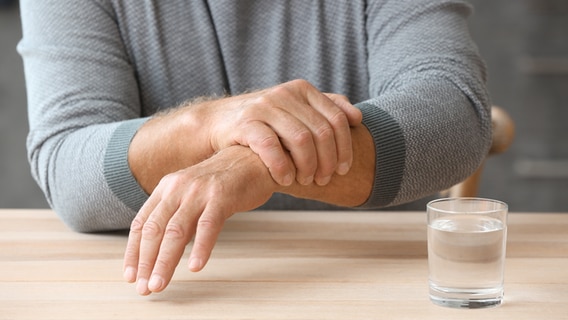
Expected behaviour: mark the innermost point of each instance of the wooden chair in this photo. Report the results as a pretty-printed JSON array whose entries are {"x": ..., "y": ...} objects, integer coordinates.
[{"x": 502, "y": 137}]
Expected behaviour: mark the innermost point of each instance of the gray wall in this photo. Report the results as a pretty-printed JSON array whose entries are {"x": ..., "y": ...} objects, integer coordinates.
[
  {"x": 17, "y": 188},
  {"x": 525, "y": 44}
]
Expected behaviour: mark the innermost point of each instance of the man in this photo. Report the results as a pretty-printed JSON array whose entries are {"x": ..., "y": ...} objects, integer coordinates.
[{"x": 268, "y": 88}]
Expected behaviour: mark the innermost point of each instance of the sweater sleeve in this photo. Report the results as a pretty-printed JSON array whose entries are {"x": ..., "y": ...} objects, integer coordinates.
[
  {"x": 83, "y": 101},
  {"x": 429, "y": 109}
]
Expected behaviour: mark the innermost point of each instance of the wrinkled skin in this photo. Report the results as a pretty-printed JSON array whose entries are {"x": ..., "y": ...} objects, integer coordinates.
[{"x": 188, "y": 204}]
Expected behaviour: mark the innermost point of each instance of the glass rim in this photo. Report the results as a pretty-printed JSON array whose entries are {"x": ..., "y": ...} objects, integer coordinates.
[{"x": 503, "y": 205}]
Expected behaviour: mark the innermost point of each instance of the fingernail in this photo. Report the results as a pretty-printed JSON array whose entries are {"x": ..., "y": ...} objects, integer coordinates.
[
  {"x": 324, "y": 181},
  {"x": 343, "y": 168},
  {"x": 195, "y": 264},
  {"x": 307, "y": 180},
  {"x": 288, "y": 179},
  {"x": 155, "y": 283},
  {"x": 142, "y": 287},
  {"x": 130, "y": 274}
]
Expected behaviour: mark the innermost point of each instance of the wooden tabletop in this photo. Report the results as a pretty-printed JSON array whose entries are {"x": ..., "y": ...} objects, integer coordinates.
[{"x": 274, "y": 265}]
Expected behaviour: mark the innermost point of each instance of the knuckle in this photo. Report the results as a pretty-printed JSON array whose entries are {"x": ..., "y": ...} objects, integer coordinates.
[
  {"x": 172, "y": 185},
  {"x": 130, "y": 253},
  {"x": 339, "y": 119},
  {"x": 145, "y": 265},
  {"x": 170, "y": 180},
  {"x": 165, "y": 187},
  {"x": 324, "y": 132},
  {"x": 136, "y": 225},
  {"x": 279, "y": 166},
  {"x": 175, "y": 231},
  {"x": 151, "y": 230},
  {"x": 209, "y": 224},
  {"x": 301, "y": 83},
  {"x": 262, "y": 100},
  {"x": 302, "y": 137},
  {"x": 277, "y": 91},
  {"x": 268, "y": 142},
  {"x": 338, "y": 97},
  {"x": 164, "y": 264}
]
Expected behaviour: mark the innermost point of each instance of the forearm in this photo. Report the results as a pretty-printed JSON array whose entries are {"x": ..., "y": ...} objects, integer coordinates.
[
  {"x": 164, "y": 144},
  {"x": 298, "y": 132},
  {"x": 349, "y": 190},
  {"x": 171, "y": 142}
]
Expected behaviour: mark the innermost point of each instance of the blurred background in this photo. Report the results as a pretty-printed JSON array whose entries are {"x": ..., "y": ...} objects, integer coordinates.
[{"x": 525, "y": 45}]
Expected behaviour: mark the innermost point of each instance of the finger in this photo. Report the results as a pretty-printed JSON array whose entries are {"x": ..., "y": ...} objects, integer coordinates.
[
  {"x": 208, "y": 228},
  {"x": 326, "y": 121},
  {"x": 266, "y": 143},
  {"x": 132, "y": 252},
  {"x": 275, "y": 129},
  {"x": 298, "y": 139},
  {"x": 339, "y": 135},
  {"x": 177, "y": 235},
  {"x": 302, "y": 128},
  {"x": 343, "y": 142},
  {"x": 354, "y": 115},
  {"x": 152, "y": 235},
  {"x": 326, "y": 149}
]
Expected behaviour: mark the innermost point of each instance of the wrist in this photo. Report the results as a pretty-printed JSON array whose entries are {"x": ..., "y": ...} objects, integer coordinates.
[
  {"x": 244, "y": 159},
  {"x": 351, "y": 189}
]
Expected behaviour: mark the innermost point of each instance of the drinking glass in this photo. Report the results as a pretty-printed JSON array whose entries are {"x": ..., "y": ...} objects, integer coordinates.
[{"x": 466, "y": 251}]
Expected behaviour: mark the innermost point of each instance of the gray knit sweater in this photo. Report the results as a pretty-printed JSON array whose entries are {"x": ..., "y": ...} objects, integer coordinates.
[{"x": 97, "y": 69}]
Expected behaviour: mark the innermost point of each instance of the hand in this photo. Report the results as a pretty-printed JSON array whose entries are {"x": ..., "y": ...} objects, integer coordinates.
[
  {"x": 292, "y": 119},
  {"x": 193, "y": 201}
]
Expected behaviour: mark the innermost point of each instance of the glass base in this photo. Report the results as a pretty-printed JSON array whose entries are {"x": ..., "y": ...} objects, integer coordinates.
[{"x": 466, "y": 299}]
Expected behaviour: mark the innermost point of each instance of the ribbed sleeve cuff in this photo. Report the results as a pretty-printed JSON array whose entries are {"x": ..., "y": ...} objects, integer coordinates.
[
  {"x": 390, "y": 150},
  {"x": 116, "y": 169}
]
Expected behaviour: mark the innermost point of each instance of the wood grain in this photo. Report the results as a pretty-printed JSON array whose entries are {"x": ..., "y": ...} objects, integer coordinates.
[{"x": 274, "y": 265}]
